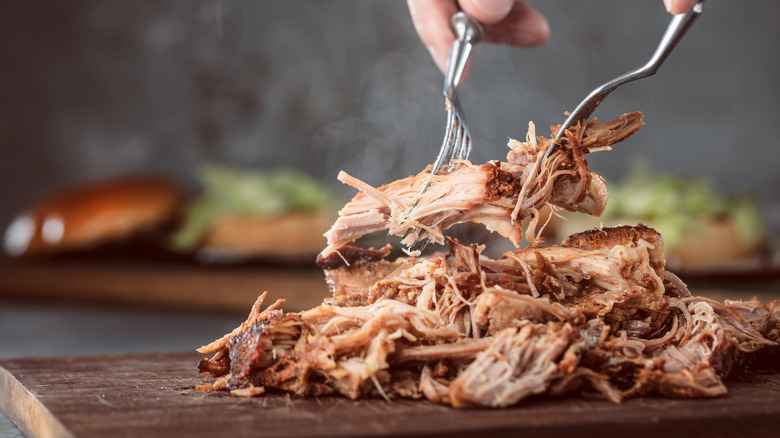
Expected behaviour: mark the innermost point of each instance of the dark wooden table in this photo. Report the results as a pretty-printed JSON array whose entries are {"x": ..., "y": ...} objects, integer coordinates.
[{"x": 153, "y": 395}]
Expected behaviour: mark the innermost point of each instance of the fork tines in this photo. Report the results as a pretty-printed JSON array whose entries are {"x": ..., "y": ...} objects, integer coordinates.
[{"x": 457, "y": 139}]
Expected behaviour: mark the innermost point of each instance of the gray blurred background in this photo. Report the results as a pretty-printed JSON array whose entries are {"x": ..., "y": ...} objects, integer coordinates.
[
  {"x": 96, "y": 88},
  {"x": 91, "y": 88}
]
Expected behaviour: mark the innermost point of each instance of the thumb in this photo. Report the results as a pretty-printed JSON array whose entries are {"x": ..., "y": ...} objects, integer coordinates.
[{"x": 487, "y": 11}]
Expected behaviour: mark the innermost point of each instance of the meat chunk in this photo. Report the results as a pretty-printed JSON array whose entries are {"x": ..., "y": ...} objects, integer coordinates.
[
  {"x": 519, "y": 363},
  {"x": 622, "y": 235},
  {"x": 496, "y": 195},
  {"x": 596, "y": 314}
]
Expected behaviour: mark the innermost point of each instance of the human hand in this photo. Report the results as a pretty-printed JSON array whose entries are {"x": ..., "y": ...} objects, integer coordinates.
[
  {"x": 679, "y": 6},
  {"x": 504, "y": 22}
]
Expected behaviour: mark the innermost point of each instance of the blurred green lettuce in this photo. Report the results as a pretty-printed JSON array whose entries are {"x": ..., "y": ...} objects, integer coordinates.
[
  {"x": 673, "y": 205},
  {"x": 228, "y": 191}
]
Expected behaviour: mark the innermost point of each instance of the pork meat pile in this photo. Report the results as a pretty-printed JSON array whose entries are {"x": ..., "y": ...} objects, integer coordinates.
[
  {"x": 498, "y": 194},
  {"x": 597, "y": 314}
]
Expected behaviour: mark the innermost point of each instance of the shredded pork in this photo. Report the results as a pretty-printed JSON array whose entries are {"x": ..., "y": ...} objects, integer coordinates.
[
  {"x": 597, "y": 314},
  {"x": 498, "y": 195}
]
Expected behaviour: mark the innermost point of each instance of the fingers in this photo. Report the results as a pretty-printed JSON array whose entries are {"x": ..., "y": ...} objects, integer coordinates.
[
  {"x": 524, "y": 26},
  {"x": 487, "y": 11},
  {"x": 431, "y": 19},
  {"x": 504, "y": 21},
  {"x": 679, "y": 6}
]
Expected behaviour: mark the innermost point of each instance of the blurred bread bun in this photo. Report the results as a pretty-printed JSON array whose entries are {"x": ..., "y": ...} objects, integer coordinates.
[
  {"x": 92, "y": 214},
  {"x": 712, "y": 242},
  {"x": 288, "y": 235}
]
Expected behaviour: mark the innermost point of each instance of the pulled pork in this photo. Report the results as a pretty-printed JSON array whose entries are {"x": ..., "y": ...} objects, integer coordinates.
[
  {"x": 498, "y": 194},
  {"x": 598, "y": 314}
]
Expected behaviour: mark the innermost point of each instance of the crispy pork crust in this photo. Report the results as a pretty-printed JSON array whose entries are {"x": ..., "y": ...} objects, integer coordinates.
[
  {"x": 501, "y": 184},
  {"x": 621, "y": 235},
  {"x": 351, "y": 255}
]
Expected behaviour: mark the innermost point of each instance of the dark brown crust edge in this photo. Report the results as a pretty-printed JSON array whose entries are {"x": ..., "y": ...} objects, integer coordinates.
[
  {"x": 351, "y": 255},
  {"x": 608, "y": 237},
  {"x": 500, "y": 183}
]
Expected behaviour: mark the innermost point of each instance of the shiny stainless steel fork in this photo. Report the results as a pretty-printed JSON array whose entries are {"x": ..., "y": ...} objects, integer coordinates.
[
  {"x": 457, "y": 144},
  {"x": 674, "y": 32},
  {"x": 457, "y": 137}
]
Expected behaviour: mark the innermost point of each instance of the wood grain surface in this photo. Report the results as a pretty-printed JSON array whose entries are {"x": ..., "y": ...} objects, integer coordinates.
[
  {"x": 163, "y": 285},
  {"x": 153, "y": 395}
]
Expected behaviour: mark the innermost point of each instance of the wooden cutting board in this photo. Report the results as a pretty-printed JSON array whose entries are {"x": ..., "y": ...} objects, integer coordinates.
[
  {"x": 163, "y": 285},
  {"x": 153, "y": 395}
]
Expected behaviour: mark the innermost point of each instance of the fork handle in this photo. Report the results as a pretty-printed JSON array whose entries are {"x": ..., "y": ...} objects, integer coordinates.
[
  {"x": 674, "y": 32},
  {"x": 468, "y": 32}
]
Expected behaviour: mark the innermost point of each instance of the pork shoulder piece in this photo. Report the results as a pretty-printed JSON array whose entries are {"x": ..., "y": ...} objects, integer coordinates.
[
  {"x": 597, "y": 314},
  {"x": 497, "y": 195}
]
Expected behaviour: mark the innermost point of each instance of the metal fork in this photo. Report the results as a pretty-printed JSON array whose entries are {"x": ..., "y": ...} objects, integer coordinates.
[
  {"x": 457, "y": 138},
  {"x": 457, "y": 143},
  {"x": 674, "y": 32}
]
